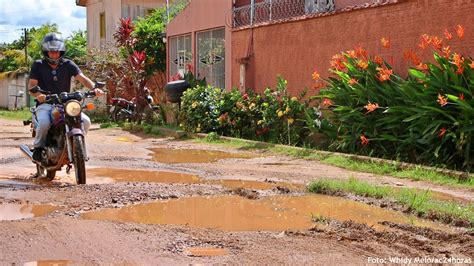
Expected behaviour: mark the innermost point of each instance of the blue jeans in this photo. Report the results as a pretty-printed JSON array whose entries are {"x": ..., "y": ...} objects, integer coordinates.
[{"x": 43, "y": 116}]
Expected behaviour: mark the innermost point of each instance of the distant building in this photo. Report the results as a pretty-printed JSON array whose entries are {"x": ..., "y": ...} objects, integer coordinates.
[{"x": 103, "y": 17}]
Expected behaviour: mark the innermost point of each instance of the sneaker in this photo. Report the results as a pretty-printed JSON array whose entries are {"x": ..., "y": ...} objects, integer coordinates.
[{"x": 37, "y": 154}]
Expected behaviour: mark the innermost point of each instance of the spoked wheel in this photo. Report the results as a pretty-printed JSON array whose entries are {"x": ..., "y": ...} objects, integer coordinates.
[{"x": 79, "y": 160}]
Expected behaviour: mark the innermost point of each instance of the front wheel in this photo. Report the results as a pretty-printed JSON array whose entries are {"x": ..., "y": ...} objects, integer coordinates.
[{"x": 79, "y": 160}]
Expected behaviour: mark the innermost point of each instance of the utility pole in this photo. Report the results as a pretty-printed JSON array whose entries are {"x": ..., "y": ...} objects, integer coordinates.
[{"x": 26, "y": 46}]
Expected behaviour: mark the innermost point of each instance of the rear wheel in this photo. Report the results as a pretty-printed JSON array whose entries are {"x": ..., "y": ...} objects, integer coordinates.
[{"x": 79, "y": 160}]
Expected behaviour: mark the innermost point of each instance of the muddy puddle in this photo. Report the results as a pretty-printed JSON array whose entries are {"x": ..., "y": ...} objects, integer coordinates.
[
  {"x": 10, "y": 212},
  {"x": 206, "y": 252},
  {"x": 110, "y": 175},
  {"x": 167, "y": 155},
  {"x": 234, "y": 213}
]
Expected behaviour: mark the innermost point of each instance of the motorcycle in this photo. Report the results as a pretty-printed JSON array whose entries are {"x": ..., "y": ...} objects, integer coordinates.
[
  {"x": 65, "y": 142},
  {"x": 121, "y": 109}
]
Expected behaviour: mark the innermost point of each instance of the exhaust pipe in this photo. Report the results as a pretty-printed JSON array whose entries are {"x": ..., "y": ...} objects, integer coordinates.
[{"x": 26, "y": 150}]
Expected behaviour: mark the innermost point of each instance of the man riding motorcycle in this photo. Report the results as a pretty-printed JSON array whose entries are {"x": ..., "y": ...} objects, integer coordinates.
[{"x": 53, "y": 74}]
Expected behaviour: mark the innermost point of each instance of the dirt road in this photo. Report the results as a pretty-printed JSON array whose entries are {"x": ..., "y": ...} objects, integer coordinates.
[{"x": 165, "y": 201}]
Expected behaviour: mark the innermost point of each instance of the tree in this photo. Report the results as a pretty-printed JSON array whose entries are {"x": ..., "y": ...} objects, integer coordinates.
[
  {"x": 11, "y": 60},
  {"x": 76, "y": 47},
  {"x": 36, "y": 37}
]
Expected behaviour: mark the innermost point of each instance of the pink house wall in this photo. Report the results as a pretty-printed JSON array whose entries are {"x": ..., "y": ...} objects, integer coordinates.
[{"x": 199, "y": 16}]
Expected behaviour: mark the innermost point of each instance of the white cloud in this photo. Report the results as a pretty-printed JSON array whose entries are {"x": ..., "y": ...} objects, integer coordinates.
[{"x": 17, "y": 14}]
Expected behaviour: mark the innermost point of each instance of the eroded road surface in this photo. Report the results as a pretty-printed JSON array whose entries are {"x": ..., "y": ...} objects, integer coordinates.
[{"x": 165, "y": 201}]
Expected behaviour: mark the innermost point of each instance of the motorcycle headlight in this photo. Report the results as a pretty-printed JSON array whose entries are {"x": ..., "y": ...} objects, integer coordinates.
[{"x": 73, "y": 108}]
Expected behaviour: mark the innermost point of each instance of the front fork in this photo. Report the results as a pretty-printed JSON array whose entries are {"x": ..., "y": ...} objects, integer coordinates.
[{"x": 71, "y": 133}]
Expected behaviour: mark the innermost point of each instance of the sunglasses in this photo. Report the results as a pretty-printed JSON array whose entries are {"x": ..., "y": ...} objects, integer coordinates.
[{"x": 55, "y": 78}]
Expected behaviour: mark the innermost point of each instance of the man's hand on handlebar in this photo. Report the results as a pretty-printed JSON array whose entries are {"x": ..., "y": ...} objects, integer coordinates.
[{"x": 41, "y": 98}]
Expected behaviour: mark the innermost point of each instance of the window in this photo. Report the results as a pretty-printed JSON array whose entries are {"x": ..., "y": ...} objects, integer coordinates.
[
  {"x": 211, "y": 57},
  {"x": 134, "y": 12},
  {"x": 180, "y": 54},
  {"x": 102, "y": 25}
]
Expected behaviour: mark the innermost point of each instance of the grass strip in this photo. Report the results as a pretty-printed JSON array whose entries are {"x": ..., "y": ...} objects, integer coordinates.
[
  {"x": 418, "y": 202},
  {"x": 379, "y": 168},
  {"x": 23, "y": 114}
]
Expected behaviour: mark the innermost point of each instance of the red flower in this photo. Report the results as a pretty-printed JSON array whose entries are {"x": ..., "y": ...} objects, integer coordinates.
[
  {"x": 327, "y": 103},
  {"x": 245, "y": 96},
  {"x": 442, "y": 100},
  {"x": 424, "y": 42},
  {"x": 316, "y": 75},
  {"x": 364, "y": 140},
  {"x": 353, "y": 81},
  {"x": 461, "y": 96},
  {"x": 436, "y": 42},
  {"x": 363, "y": 64},
  {"x": 422, "y": 66},
  {"x": 385, "y": 42},
  {"x": 447, "y": 34},
  {"x": 441, "y": 133},
  {"x": 472, "y": 64},
  {"x": 371, "y": 107},
  {"x": 447, "y": 51},
  {"x": 384, "y": 73},
  {"x": 378, "y": 60},
  {"x": 337, "y": 63},
  {"x": 460, "y": 31}
]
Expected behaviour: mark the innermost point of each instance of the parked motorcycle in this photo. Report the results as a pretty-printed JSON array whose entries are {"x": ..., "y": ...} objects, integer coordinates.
[
  {"x": 122, "y": 110},
  {"x": 65, "y": 142}
]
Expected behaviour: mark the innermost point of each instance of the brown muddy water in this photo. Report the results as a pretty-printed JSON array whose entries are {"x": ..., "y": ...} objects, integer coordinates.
[
  {"x": 234, "y": 213},
  {"x": 167, "y": 155},
  {"x": 206, "y": 252},
  {"x": 111, "y": 175},
  {"x": 10, "y": 212}
]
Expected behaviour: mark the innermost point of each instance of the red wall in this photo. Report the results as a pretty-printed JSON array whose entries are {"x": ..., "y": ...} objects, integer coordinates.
[{"x": 296, "y": 49}]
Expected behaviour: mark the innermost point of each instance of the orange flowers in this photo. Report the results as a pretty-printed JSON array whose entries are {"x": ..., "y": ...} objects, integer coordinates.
[
  {"x": 364, "y": 140},
  {"x": 458, "y": 61},
  {"x": 353, "y": 81},
  {"x": 371, "y": 107},
  {"x": 378, "y": 60},
  {"x": 363, "y": 64},
  {"x": 316, "y": 75},
  {"x": 447, "y": 51},
  {"x": 425, "y": 41},
  {"x": 410, "y": 55},
  {"x": 436, "y": 42},
  {"x": 441, "y": 133},
  {"x": 448, "y": 34},
  {"x": 351, "y": 54},
  {"x": 460, "y": 31},
  {"x": 337, "y": 62},
  {"x": 422, "y": 66},
  {"x": 461, "y": 96},
  {"x": 385, "y": 42},
  {"x": 327, "y": 103},
  {"x": 384, "y": 73},
  {"x": 471, "y": 65},
  {"x": 361, "y": 52},
  {"x": 442, "y": 100}
]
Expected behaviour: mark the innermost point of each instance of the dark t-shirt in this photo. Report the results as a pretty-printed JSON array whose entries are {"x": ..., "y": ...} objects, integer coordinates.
[{"x": 54, "y": 80}]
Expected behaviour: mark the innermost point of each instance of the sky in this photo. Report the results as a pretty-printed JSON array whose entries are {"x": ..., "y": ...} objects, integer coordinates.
[{"x": 18, "y": 14}]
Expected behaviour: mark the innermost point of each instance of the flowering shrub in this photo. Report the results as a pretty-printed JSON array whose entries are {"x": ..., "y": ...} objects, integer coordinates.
[
  {"x": 274, "y": 116},
  {"x": 427, "y": 117}
]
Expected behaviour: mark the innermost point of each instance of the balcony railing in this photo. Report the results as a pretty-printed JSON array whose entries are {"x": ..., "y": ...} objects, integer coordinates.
[{"x": 275, "y": 10}]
